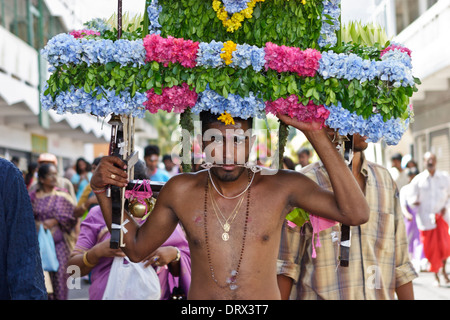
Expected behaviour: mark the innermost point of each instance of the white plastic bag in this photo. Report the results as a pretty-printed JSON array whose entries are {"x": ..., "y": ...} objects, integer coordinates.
[{"x": 131, "y": 281}]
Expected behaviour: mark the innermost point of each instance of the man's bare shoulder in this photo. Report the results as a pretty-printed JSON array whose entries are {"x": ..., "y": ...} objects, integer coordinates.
[
  {"x": 185, "y": 181},
  {"x": 280, "y": 173},
  {"x": 281, "y": 176}
]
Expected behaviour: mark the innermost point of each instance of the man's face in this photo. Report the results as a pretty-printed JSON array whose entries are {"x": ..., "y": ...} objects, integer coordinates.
[
  {"x": 168, "y": 164},
  {"x": 303, "y": 159},
  {"x": 359, "y": 143},
  {"x": 430, "y": 161},
  {"x": 151, "y": 161},
  {"x": 229, "y": 147}
]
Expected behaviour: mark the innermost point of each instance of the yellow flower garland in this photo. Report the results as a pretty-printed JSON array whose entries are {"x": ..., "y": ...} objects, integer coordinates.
[
  {"x": 228, "y": 48},
  {"x": 234, "y": 23}
]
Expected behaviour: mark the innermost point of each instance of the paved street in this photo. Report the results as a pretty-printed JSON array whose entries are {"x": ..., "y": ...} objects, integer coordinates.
[{"x": 423, "y": 289}]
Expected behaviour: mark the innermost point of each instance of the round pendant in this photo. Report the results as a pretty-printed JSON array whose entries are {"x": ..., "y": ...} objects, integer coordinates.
[{"x": 225, "y": 236}]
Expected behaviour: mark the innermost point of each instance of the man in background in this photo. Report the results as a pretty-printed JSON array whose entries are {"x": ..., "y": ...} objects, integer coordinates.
[
  {"x": 303, "y": 156},
  {"x": 397, "y": 172},
  {"x": 379, "y": 264},
  {"x": 431, "y": 195},
  {"x": 171, "y": 168},
  {"x": 151, "y": 158}
]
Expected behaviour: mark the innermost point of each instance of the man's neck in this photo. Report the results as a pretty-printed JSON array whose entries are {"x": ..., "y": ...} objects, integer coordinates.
[{"x": 230, "y": 188}]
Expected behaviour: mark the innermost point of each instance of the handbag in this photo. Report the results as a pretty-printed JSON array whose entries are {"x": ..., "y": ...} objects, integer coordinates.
[
  {"x": 47, "y": 249},
  {"x": 131, "y": 281}
]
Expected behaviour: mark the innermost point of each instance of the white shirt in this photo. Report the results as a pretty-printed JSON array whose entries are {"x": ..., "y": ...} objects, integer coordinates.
[
  {"x": 400, "y": 177},
  {"x": 433, "y": 194}
]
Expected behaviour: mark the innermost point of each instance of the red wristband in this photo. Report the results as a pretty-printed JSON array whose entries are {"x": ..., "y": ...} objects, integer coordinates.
[{"x": 98, "y": 191}]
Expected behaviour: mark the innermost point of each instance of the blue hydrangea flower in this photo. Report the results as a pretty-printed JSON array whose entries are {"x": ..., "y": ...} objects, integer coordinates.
[
  {"x": 208, "y": 54},
  {"x": 154, "y": 9},
  {"x": 129, "y": 52},
  {"x": 62, "y": 49},
  {"x": 233, "y": 6},
  {"x": 395, "y": 66},
  {"x": 246, "y": 55},
  {"x": 328, "y": 31},
  {"x": 374, "y": 128},
  {"x": 235, "y": 105},
  {"x": 77, "y": 101}
]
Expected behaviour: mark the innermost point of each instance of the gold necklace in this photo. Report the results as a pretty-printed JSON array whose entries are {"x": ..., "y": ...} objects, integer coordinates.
[
  {"x": 233, "y": 197},
  {"x": 225, "y": 226}
]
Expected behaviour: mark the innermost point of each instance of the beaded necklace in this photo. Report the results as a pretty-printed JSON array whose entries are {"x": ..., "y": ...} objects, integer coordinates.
[{"x": 231, "y": 281}]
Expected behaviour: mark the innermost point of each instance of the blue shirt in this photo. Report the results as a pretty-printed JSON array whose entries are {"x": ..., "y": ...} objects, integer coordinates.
[
  {"x": 160, "y": 175},
  {"x": 21, "y": 274}
]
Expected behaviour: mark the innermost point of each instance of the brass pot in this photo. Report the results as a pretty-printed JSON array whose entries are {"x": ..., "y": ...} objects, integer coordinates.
[{"x": 138, "y": 209}]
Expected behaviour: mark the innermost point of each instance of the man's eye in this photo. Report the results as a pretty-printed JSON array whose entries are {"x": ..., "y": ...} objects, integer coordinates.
[
  {"x": 239, "y": 140},
  {"x": 217, "y": 140}
]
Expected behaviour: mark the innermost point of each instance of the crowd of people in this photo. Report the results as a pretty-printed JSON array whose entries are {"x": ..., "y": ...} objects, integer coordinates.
[
  {"x": 66, "y": 205},
  {"x": 407, "y": 232}
]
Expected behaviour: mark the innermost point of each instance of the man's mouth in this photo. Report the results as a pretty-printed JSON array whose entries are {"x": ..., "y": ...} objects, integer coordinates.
[{"x": 228, "y": 167}]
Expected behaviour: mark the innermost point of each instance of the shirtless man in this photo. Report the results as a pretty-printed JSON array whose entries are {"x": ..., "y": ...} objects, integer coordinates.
[{"x": 242, "y": 263}]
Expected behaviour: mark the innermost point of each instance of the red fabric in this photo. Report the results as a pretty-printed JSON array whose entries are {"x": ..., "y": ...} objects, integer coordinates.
[{"x": 436, "y": 244}]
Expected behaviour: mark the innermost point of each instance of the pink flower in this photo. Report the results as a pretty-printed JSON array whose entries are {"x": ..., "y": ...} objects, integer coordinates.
[
  {"x": 77, "y": 34},
  {"x": 293, "y": 108},
  {"x": 170, "y": 49},
  {"x": 291, "y": 59},
  {"x": 177, "y": 98},
  {"x": 393, "y": 47}
]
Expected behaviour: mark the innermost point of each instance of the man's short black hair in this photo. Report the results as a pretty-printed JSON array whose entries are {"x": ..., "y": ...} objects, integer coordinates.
[
  {"x": 151, "y": 150},
  {"x": 166, "y": 157},
  {"x": 397, "y": 156},
  {"x": 304, "y": 150},
  {"x": 207, "y": 118}
]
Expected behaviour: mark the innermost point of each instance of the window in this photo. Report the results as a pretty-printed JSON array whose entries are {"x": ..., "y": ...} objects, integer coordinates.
[{"x": 406, "y": 12}]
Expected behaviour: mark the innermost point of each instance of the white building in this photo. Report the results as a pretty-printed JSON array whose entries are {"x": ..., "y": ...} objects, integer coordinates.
[{"x": 25, "y": 131}]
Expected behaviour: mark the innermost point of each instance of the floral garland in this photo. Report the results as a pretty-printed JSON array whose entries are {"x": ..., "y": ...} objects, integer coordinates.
[
  {"x": 77, "y": 100},
  {"x": 64, "y": 49},
  {"x": 395, "y": 66},
  {"x": 305, "y": 84},
  {"x": 235, "y": 105}
]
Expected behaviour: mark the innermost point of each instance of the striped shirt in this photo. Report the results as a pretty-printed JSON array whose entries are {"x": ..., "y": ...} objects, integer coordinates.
[{"x": 379, "y": 261}]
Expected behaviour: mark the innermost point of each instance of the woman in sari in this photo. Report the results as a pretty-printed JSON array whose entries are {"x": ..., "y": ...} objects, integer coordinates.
[
  {"x": 53, "y": 208},
  {"x": 92, "y": 254}
]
